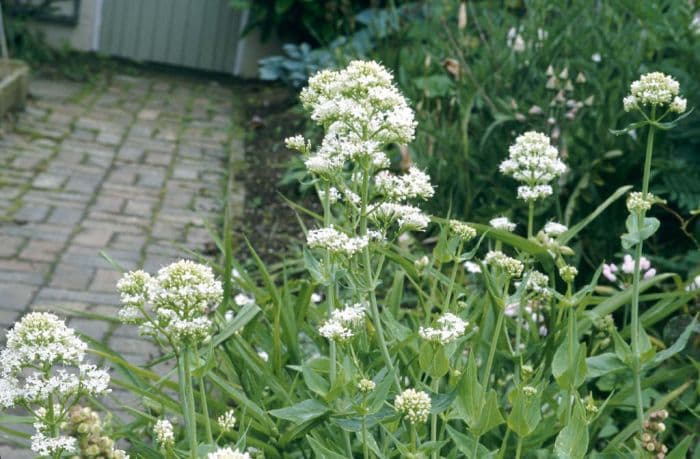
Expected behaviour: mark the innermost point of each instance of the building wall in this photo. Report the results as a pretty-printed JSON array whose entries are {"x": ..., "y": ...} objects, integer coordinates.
[{"x": 200, "y": 34}]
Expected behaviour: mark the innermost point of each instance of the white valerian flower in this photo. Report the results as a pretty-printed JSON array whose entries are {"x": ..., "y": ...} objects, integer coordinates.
[
  {"x": 316, "y": 297},
  {"x": 299, "y": 143},
  {"x": 472, "y": 267},
  {"x": 366, "y": 385},
  {"x": 511, "y": 266},
  {"x": 653, "y": 89},
  {"x": 694, "y": 285},
  {"x": 538, "y": 283},
  {"x": 568, "y": 273},
  {"x": 264, "y": 355},
  {"x": 228, "y": 453},
  {"x": 534, "y": 162},
  {"x": 174, "y": 303},
  {"x": 678, "y": 105},
  {"x": 502, "y": 223},
  {"x": 408, "y": 217},
  {"x": 555, "y": 229},
  {"x": 414, "y": 184},
  {"x": 335, "y": 241},
  {"x": 243, "y": 300},
  {"x": 461, "y": 229},
  {"x": 638, "y": 202},
  {"x": 45, "y": 445},
  {"x": 514, "y": 40},
  {"x": 530, "y": 312},
  {"x": 449, "y": 328},
  {"x": 361, "y": 95},
  {"x": 343, "y": 322},
  {"x": 596, "y": 57},
  {"x": 415, "y": 405},
  {"x": 163, "y": 431},
  {"x": 227, "y": 421}
]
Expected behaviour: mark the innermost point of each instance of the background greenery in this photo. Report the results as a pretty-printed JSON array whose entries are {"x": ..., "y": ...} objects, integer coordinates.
[{"x": 468, "y": 117}]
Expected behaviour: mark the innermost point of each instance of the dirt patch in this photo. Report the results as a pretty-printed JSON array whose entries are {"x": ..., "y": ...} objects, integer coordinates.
[{"x": 271, "y": 225}]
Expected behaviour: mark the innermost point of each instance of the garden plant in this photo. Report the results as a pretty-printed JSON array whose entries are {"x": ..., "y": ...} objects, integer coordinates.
[{"x": 482, "y": 341}]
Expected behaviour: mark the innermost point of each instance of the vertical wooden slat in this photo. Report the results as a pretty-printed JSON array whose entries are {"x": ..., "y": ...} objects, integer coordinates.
[
  {"x": 208, "y": 35},
  {"x": 232, "y": 36},
  {"x": 194, "y": 33},
  {"x": 178, "y": 31}
]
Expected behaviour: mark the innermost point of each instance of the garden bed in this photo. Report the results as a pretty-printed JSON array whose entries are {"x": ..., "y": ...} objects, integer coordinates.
[{"x": 14, "y": 80}]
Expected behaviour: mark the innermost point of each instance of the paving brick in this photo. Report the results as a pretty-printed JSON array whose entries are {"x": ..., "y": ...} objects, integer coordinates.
[
  {"x": 39, "y": 250},
  {"x": 10, "y": 245},
  {"x": 93, "y": 237},
  {"x": 105, "y": 280},
  {"x": 15, "y": 297},
  {"x": 71, "y": 276},
  {"x": 51, "y": 181}
]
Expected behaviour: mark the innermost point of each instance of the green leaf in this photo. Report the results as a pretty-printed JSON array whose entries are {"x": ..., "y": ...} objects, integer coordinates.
[
  {"x": 470, "y": 394},
  {"x": 603, "y": 364},
  {"x": 681, "y": 450},
  {"x": 572, "y": 441},
  {"x": 465, "y": 443},
  {"x": 305, "y": 411},
  {"x": 622, "y": 349},
  {"x": 569, "y": 374},
  {"x": 322, "y": 451},
  {"x": 433, "y": 360},
  {"x": 629, "y": 127},
  {"x": 314, "y": 380},
  {"x": 677, "y": 346},
  {"x": 525, "y": 413},
  {"x": 317, "y": 271},
  {"x": 491, "y": 416},
  {"x": 441, "y": 402},
  {"x": 636, "y": 232}
]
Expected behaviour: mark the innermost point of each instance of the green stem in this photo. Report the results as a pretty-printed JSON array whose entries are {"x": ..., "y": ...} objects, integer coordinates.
[
  {"x": 413, "y": 438},
  {"x": 634, "y": 326},
  {"x": 572, "y": 358},
  {"x": 205, "y": 410},
  {"x": 492, "y": 349},
  {"x": 365, "y": 446},
  {"x": 530, "y": 218},
  {"x": 453, "y": 276},
  {"x": 187, "y": 400},
  {"x": 504, "y": 444},
  {"x": 330, "y": 292},
  {"x": 433, "y": 419},
  {"x": 476, "y": 447},
  {"x": 374, "y": 309},
  {"x": 519, "y": 449}
]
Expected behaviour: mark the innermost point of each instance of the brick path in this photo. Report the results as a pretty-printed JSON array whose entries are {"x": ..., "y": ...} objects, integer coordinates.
[{"x": 134, "y": 167}]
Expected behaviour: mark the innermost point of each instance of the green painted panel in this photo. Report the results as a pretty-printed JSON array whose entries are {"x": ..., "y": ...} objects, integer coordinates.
[{"x": 201, "y": 34}]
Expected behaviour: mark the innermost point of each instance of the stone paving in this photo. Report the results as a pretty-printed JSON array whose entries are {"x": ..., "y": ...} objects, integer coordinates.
[{"x": 133, "y": 167}]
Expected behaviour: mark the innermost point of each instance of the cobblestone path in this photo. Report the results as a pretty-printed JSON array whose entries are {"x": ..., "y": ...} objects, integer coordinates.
[{"x": 133, "y": 167}]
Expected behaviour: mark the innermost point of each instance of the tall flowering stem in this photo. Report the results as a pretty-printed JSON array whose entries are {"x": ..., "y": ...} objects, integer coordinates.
[{"x": 652, "y": 91}]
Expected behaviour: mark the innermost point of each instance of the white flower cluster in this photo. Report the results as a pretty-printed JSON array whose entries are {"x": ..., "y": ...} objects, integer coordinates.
[
  {"x": 538, "y": 284},
  {"x": 343, "y": 322},
  {"x": 534, "y": 162},
  {"x": 227, "y": 421},
  {"x": 461, "y": 229},
  {"x": 299, "y": 143},
  {"x": 413, "y": 184},
  {"x": 228, "y": 453},
  {"x": 622, "y": 274},
  {"x": 366, "y": 385},
  {"x": 502, "y": 223},
  {"x": 694, "y": 285},
  {"x": 361, "y": 95},
  {"x": 637, "y": 202},
  {"x": 554, "y": 229},
  {"x": 43, "y": 364},
  {"x": 450, "y": 328},
  {"x": 163, "y": 431},
  {"x": 511, "y": 266},
  {"x": 655, "y": 89},
  {"x": 415, "y": 405},
  {"x": 336, "y": 242},
  {"x": 179, "y": 296},
  {"x": 407, "y": 217}
]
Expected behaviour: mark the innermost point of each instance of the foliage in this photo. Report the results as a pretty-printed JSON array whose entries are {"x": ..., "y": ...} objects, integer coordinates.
[
  {"x": 301, "y": 20},
  {"x": 478, "y": 83},
  {"x": 481, "y": 343}
]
